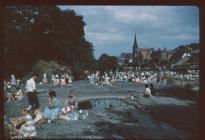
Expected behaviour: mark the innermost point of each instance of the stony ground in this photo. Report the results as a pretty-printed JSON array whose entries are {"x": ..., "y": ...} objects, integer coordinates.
[{"x": 156, "y": 117}]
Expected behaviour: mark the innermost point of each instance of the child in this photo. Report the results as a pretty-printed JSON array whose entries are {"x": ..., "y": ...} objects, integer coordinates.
[
  {"x": 18, "y": 95},
  {"x": 147, "y": 91},
  {"x": 70, "y": 106},
  {"x": 39, "y": 117}
]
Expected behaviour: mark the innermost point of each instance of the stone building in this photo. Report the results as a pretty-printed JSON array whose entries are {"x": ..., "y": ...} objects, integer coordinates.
[{"x": 141, "y": 56}]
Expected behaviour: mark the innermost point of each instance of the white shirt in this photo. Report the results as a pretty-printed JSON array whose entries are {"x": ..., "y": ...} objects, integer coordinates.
[
  {"x": 30, "y": 85},
  {"x": 148, "y": 91}
]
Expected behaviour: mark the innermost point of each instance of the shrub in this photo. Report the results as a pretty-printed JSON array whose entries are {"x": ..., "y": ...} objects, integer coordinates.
[{"x": 43, "y": 66}]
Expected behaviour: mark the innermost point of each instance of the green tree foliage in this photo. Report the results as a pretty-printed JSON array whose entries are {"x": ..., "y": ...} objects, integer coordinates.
[
  {"x": 107, "y": 63},
  {"x": 183, "y": 49},
  {"x": 49, "y": 67},
  {"x": 34, "y": 33}
]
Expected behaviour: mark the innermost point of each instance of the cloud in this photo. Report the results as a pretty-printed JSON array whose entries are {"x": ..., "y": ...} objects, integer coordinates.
[
  {"x": 111, "y": 29},
  {"x": 132, "y": 16},
  {"x": 104, "y": 38}
]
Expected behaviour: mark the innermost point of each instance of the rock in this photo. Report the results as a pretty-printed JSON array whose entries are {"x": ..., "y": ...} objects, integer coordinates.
[
  {"x": 195, "y": 88},
  {"x": 115, "y": 136},
  {"x": 100, "y": 114},
  {"x": 104, "y": 124}
]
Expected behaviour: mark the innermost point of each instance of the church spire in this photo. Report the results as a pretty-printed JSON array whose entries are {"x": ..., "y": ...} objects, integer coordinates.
[
  {"x": 135, "y": 42},
  {"x": 135, "y": 50}
]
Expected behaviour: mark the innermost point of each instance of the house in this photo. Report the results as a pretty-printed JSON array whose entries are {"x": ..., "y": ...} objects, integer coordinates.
[{"x": 124, "y": 57}]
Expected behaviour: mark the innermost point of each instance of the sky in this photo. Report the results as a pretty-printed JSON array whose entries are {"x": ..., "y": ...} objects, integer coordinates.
[{"x": 111, "y": 29}]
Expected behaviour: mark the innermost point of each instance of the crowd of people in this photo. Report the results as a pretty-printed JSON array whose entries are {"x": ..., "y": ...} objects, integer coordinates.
[
  {"x": 62, "y": 79},
  {"x": 148, "y": 78},
  {"x": 68, "y": 110},
  {"x": 24, "y": 127},
  {"x": 144, "y": 77},
  {"x": 101, "y": 78},
  {"x": 13, "y": 88}
]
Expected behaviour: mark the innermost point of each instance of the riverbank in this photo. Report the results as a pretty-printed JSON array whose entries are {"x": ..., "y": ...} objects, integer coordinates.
[{"x": 124, "y": 117}]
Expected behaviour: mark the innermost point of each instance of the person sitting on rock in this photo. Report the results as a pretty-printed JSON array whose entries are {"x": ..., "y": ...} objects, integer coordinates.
[
  {"x": 52, "y": 110},
  {"x": 71, "y": 101},
  {"x": 70, "y": 106},
  {"x": 147, "y": 91},
  {"x": 10, "y": 96},
  {"x": 24, "y": 125},
  {"x": 18, "y": 95}
]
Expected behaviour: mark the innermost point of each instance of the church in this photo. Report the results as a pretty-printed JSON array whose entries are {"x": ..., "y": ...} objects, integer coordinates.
[
  {"x": 144, "y": 56},
  {"x": 141, "y": 56}
]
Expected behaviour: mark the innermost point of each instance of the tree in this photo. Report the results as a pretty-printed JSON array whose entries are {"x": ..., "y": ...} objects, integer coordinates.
[
  {"x": 34, "y": 33},
  {"x": 107, "y": 63}
]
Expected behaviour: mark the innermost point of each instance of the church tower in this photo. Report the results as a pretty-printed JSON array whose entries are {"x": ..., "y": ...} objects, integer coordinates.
[{"x": 135, "y": 50}]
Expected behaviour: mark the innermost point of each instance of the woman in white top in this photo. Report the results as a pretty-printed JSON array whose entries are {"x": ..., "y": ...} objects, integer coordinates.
[{"x": 27, "y": 129}]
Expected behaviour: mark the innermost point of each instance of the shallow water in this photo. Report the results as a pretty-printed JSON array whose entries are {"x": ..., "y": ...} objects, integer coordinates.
[{"x": 100, "y": 104}]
